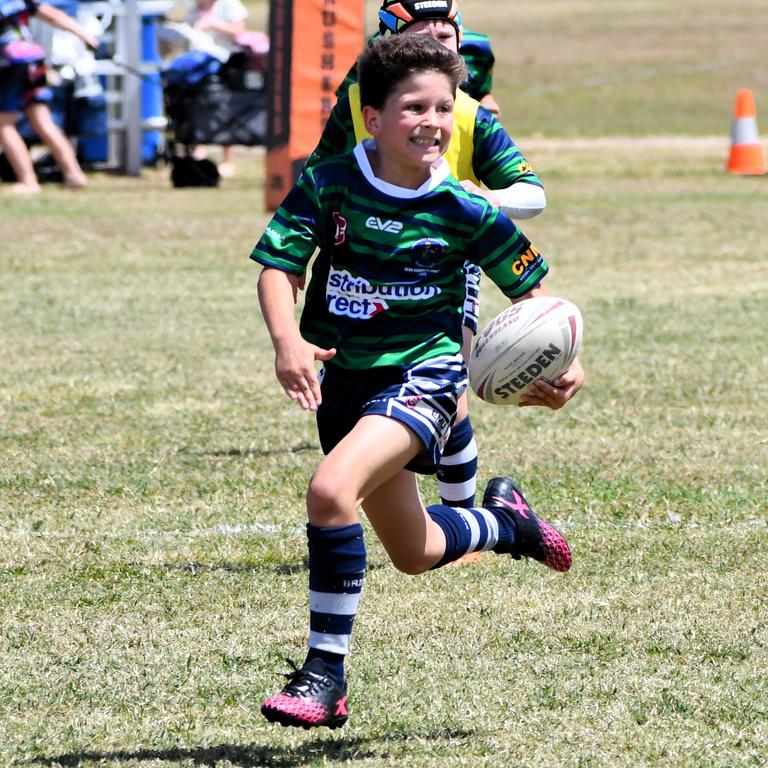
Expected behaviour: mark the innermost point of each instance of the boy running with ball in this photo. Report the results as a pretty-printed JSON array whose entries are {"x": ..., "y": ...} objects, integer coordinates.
[{"x": 383, "y": 313}]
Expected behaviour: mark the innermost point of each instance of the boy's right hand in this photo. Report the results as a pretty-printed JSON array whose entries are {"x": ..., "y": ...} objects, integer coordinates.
[{"x": 295, "y": 370}]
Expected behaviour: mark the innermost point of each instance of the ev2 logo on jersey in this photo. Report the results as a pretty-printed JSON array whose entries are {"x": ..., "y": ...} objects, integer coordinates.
[{"x": 384, "y": 225}]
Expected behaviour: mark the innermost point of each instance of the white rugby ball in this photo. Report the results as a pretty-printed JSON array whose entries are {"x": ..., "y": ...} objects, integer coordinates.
[{"x": 537, "y": 338}]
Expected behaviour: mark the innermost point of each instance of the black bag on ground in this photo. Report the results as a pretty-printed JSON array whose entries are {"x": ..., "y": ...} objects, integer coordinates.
[
  {"x": 45, "y": 167},
  {"x": 186, "y": 171},
  {"x": 6, "y": 172}
]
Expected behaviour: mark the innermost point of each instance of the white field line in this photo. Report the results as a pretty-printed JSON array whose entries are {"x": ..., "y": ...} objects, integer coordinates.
[
  {"x": 262, "y": 529},
  {"x": 720, "y": 143},
  {"x": 216, "y": 531},
  {"x": 632, "y": 76}
]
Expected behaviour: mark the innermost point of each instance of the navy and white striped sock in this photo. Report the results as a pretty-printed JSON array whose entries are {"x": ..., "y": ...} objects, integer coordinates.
[
  {"x": 457, "y": 473},
  {"x": 466, "y": 530},
  {"x": 336, "y": 574}
]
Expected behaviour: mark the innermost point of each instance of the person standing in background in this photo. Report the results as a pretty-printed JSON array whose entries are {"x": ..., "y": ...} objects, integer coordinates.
[
  {"x": 223, "y": 21},
  {"x": 23, "y": 89}
]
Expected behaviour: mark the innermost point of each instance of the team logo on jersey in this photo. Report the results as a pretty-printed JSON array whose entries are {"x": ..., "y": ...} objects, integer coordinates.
[
  {"x": 530, "y": 256},
  {"x": 427, "y": 252},
  {"x": 524, "y": 167},
  {"x": 384, "y": 225},
  {"x": 341, "y": 228},
  {"x": 348, "y": 295}
]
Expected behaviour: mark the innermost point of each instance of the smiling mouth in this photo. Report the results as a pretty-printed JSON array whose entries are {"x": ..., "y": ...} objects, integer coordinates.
[{"x": 426, "y": 142}]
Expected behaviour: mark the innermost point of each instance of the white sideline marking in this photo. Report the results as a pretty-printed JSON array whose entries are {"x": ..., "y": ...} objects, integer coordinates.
[
  {"x": 191, "y": 533},
  {"x": 626, "y": 77},
  {"x": 627, "y": 142},
  {"x": 296, "y": 530}
]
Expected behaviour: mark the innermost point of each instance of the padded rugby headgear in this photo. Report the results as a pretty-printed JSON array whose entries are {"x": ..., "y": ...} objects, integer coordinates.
[{"x": 396, "y": 16}]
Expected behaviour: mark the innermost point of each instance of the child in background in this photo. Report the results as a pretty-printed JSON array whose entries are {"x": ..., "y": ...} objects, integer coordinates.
[
  {"x": 23, "y": 89},
  {"x": 383, "y": 313},
  {"x": 483, "y": 156},
  {"x": 473, "y": 47}
]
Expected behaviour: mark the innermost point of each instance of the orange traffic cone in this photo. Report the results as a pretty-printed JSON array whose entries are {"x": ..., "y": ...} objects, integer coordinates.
[{"x": 746, "y": 151}]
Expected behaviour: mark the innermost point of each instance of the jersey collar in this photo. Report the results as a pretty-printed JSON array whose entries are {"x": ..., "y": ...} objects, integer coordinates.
[{"x": 438, "y": 174}]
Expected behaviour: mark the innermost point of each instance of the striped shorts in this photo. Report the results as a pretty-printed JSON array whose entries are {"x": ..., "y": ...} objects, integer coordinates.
[{"x": 423, "y": 397}]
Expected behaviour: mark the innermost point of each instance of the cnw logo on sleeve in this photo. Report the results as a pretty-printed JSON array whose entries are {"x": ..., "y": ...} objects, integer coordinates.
[
  {"x": 524, "y": 168},
  {"x": 529, "y": 257}
]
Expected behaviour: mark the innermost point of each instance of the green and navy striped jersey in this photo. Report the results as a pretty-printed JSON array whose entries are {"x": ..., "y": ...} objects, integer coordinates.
[
  {"x": 474, "y": 48},
  {"x": 496, "y": 159},
  {"x": 387, "y": 286}
]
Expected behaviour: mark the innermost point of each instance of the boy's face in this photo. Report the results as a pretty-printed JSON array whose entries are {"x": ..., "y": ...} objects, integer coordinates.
[
  {"x": 442, "y": 31},
  {"x": 413, "y": 128}
]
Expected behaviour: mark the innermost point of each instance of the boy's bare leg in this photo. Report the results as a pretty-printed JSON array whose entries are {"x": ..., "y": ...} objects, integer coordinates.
[
  {"x": 369, "y": 457},
  {"x": 367, "y": 467},
  {"x": 16, "y": 151},
  {"x": 51, "y": 135},
  {"x": 414, "y": 542},
  {"x": 371, "y": 454}
]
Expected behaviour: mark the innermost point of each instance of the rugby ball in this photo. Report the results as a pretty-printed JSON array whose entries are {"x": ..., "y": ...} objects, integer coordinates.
[{"x": 537, "y": 338}]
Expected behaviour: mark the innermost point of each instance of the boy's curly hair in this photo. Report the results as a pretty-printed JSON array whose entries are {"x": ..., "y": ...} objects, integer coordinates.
[{"x": 387, "y": 61}]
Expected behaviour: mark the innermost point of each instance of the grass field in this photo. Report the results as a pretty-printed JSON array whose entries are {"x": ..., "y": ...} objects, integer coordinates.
[{"x": 152, "y": 475}]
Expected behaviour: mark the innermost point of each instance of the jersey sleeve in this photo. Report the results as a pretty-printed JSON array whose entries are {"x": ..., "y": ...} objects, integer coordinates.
[
  {"x": 350, "y": 79},
  {"x": 476, "y": 51},
  {"x": 496, "y": 159},
  {"x": 338, "y": 135},
  {"x": 295, "y": 231},
  {"x": 506, "y": 255}
]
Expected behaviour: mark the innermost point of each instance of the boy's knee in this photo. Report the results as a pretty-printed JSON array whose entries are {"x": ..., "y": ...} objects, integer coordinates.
[
  {"x": 328, "y": 501},
  {"x": 411, "y": 564}
]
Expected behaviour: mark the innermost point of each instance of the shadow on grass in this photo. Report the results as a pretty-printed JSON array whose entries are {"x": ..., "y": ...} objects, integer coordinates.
[
  {"x": 281, "y": 569},
  {"x": 235, "y": 452},
  {"x": 254, "y": 755}
]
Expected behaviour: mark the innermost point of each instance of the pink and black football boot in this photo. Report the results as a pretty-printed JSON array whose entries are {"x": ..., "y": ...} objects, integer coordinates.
[
  {"x": 310, "y": 699},
  {"x": 534, "y": 537}
]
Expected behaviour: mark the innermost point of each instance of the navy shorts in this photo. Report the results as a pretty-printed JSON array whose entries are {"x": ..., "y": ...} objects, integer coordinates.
[
  {"x": 21, "y": 85},
  {"x": 423, "y": 397}
]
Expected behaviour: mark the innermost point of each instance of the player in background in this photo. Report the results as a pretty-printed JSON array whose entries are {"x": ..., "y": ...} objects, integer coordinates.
[
  {"x": 474, "y": 48},
  {"x": 488, "y": 162},
  {"x": 383, "y": 313}
]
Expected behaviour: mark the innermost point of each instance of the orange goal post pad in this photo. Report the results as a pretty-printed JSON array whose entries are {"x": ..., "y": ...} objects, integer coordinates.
[{"x": 313, "y": 43}]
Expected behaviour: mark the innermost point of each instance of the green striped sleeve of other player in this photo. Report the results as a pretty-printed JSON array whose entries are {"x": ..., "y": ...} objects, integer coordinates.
[
  {"x": 500, "y": 165},
  {"x": 387, "y": 286},
  {"x": 475, "y": 49},
  {"x": 338, "y": 133}
]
